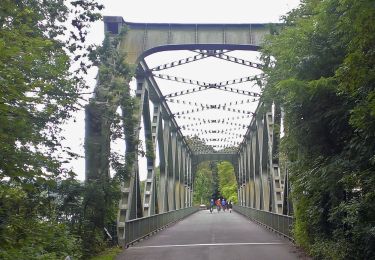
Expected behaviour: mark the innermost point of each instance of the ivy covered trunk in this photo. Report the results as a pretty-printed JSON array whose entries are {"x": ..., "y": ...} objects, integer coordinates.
[
  {"x": 97, "y": 142},
  {"x": 103, "y": 124}
]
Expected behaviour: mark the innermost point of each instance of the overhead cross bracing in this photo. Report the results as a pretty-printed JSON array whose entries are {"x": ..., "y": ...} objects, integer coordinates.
[
  {"x": 216, "y": 105},
  {"x": 222, "y": 76},
  {"x": 206, "y": 86}
]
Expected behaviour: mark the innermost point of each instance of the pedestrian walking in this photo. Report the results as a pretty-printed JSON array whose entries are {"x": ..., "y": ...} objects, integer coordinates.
[
  {"x": 218, "y": 205},
  {"x": 212, "y": 203},
  {"x": 230, "y": 206},
  {"x": 223, "y": 204}
]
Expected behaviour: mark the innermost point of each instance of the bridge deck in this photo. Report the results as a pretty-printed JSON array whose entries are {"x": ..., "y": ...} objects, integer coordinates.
[{"x": 213, "y": 236}]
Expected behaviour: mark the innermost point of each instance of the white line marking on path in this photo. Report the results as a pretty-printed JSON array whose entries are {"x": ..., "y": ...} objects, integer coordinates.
[{"x": 212, "y": 244}]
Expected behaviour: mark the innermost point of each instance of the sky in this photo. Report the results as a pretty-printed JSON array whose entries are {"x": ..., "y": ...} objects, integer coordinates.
[{"x": 172, "y": 11}]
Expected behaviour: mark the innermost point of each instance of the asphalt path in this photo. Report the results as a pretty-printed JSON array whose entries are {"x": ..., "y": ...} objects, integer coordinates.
[{"x": 213, "y": 236}]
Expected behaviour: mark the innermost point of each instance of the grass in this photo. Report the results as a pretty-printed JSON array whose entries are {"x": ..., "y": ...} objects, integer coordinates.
[{"x": 108, "y": 254}]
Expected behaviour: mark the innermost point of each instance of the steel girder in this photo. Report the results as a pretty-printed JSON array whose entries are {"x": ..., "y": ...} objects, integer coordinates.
[
  {"x": 260, "y": 182},
  {"x": 174, "y": 188},
  {"x": 145, "y": 38},
  {"x": 174, "y": 153}
]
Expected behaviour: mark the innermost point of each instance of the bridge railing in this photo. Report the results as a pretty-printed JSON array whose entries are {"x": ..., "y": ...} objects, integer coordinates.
[
  {"x": 142, "y": 227},
  {"x": 279, "y": 223}
]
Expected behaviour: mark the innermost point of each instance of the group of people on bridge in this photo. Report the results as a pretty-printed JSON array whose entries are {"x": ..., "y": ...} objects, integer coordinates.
[{"x": 220, "y": 203}]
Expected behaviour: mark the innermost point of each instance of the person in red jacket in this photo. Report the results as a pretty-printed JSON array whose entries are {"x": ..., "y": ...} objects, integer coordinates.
[{"x": 218, "y": 205}]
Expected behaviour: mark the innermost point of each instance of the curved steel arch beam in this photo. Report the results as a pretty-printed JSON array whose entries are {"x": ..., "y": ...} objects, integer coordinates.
[{"x": 197, "y": 46}]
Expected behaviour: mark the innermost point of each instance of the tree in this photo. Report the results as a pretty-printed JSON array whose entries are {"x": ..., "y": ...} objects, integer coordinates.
[
  {"x": 38, "y": 91},
  {"x": 203, "y": 184},
  {"x": 321, "y": 71},
  {"x": 227, "y": 181},
  {"x": 42, "y": 62},
  {"x": 215, "y": 179}
]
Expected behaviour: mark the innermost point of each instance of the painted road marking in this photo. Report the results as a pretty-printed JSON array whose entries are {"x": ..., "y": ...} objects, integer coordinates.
[{"x": 211, "y": 244}]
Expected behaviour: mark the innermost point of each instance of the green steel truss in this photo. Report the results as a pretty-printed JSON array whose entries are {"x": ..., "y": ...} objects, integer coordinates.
[{"x": 255, "y": 159}]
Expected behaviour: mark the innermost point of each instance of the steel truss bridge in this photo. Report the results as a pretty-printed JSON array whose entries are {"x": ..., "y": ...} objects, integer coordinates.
[{"x": 247, "y": 137}]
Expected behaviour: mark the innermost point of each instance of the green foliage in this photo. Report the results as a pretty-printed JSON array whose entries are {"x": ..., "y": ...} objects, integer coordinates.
[
  {"x": 113, "y": 88},
  {"x": 227, "y": 181},
  {"x": 42, "y": 63},
  {"x": 29, "y": 227},
  {"x": 321, "y": 71},
  {"x": 214, "y": 180},
  {"x": 109, "y": 254},
  {"x": 99, "y": 211},
  {"x": 196, "y": 142},
  {"x": 36, "y": 88},
  {"x": 150, "y": 150},
  {"x": 203, "y": 184}
]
